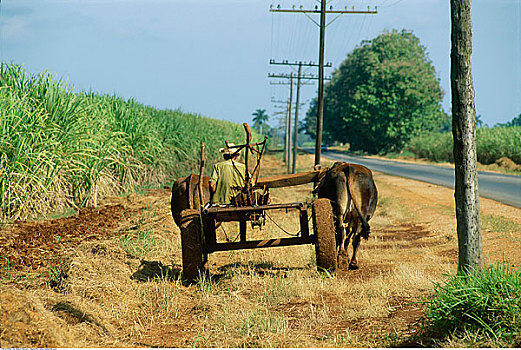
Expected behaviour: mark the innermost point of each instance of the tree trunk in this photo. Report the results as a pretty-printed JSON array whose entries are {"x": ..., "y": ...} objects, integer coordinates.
[{"x": 470, "y": 245}]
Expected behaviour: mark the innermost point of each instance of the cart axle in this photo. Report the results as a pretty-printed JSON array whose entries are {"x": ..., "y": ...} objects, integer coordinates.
[{"x": 266, "y": 243}]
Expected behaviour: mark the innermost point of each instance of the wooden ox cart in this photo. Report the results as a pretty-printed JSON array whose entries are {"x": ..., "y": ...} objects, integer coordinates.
[{"x": 198, "y": 224}]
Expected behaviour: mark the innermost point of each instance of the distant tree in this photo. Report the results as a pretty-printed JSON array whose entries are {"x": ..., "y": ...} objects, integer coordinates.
[
  {"x": 479, "y": 122},
  {"x": 385, "y": 92},
  {"x": 516, "y": 121},
  {"x": 310, "y": 120},
  {"x": 260, "y": 118},
  {"x": 302, "y": 127},
  {"x": 446, "y": 123},
  {"x": 310, "y": 123}
]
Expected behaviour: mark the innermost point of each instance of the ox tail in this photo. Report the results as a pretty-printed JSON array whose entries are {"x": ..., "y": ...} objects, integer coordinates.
[{"x": 366, "y": 229}]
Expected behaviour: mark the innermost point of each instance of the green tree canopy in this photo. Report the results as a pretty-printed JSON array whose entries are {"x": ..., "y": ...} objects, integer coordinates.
[{"x": 385, "y": 92}]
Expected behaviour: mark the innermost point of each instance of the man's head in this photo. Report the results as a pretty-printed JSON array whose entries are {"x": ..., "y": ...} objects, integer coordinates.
[{"x": 228, "y": 151}]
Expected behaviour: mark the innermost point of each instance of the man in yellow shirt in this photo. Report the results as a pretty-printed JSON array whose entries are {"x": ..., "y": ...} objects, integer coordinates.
[{"x": 226, "y": 176}]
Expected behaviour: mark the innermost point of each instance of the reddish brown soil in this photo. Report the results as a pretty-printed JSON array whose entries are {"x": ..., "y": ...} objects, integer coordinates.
[{"x": 32, "y": 245}]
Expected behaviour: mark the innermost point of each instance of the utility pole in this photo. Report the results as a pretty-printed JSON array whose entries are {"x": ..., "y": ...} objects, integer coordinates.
[
  {"x": 287, "y": 144},
  {"x": 295, "y": 130},
  {"x": 322, "y": 24},
  {"x": 320, "y": 106},
  {"x": 291, "y": 76},
  {"x": 300, "y": 64},
  {"x": 470, "y": 246},
  {"x": 288, "y": 113},
  {"x": 279, "y": 116}
]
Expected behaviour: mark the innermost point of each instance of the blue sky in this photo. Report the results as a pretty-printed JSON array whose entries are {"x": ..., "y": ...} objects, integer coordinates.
[{"x": 212, "y": 56}]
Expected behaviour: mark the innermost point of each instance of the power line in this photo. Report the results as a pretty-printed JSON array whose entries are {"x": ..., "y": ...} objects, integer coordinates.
[
  {"x": 289, "y": 157},
  {"x": 322, "y": 25}
]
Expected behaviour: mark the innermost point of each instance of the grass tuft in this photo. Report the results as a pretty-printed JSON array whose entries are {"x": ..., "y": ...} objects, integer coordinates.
[
  {"x": 482, "y": 308},
  {"x": 57, "y": 275},
  {"x": 496, "y": 223},
  {"x": 137, "y": 244}
]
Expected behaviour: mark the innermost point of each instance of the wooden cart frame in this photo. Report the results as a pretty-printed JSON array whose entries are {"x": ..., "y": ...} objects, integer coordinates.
[{"x": 198, "y": 228}]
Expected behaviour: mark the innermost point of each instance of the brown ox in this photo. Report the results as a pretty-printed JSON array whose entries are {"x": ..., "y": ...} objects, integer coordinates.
[
  {"x": 185, "y": 195},
  {"x": 353, "y": 195}
]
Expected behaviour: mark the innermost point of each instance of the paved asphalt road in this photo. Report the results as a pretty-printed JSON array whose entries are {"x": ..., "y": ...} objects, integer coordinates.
[{"x": 499, "y": 187}]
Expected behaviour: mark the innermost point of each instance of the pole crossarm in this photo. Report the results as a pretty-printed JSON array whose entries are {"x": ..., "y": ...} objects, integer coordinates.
[
  {"x": 274, "y": 100},
  {"x": 317, "y": 10},
  {"x": 299, "y": 63},
  {"x": 301, "y": 104},
  {"x": 303, "y": 76},
  {"x": 352, "y": 11},
  {"x": 286, "y": 83}
]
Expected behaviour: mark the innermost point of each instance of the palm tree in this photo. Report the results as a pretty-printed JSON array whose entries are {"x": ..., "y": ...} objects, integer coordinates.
[{"x": 259, "y": 119}]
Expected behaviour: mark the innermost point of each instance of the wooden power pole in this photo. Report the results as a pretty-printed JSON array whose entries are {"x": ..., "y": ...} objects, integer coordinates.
[
  {"x": 295, "y": 130},
  {"x": 470, "y": 246},
  {"x": 291, "y": 77},
  {"x": 322, "y": 25},
  {"x": 320, "y": 105},
  {"x": 287, "y": 148},
  {"x": 299, "y": 77}
]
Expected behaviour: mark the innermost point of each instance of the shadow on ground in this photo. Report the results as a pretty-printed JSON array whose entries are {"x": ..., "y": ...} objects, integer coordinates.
[{"x": 151, "y": 270}]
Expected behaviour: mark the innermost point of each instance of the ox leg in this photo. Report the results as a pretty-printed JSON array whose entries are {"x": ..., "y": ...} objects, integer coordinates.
[
  {"x": 340, "y": 232},
  {"x": 336, "y": 218},
  {"x": 350, "y": 229},
  {"x": 343, "y": 203},
  {"x": 353, "y": 265},
  {"x": 342, "y": 255}
]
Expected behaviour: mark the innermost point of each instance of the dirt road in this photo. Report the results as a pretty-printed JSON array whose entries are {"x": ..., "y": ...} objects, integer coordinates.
[{"x": 110, "y": 276}]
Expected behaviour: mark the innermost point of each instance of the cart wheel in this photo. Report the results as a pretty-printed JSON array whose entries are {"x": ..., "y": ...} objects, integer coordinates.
[
  {"x": 324, "y": 228},
  {"x": 191, "y": 244}
]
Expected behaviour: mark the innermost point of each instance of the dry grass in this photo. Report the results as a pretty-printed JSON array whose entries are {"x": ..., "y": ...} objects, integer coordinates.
[{"x": 126, "y": 291}]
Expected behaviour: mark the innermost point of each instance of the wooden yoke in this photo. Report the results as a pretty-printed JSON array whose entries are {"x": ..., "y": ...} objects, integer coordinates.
[{"x": 291, "y": 179}]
